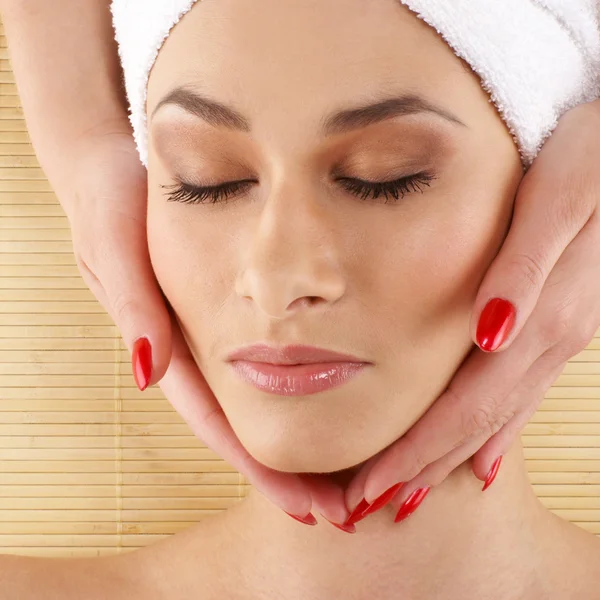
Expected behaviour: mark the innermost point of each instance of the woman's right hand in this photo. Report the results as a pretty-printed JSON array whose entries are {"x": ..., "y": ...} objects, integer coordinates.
[{"x": 105, "y": 199}]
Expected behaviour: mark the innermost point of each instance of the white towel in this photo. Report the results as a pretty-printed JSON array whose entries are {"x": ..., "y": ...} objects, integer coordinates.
[{"x": 536, "y": 58}]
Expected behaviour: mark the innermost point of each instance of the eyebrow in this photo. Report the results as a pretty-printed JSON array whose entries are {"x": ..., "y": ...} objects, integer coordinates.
[{"x": 220, "y": 115}]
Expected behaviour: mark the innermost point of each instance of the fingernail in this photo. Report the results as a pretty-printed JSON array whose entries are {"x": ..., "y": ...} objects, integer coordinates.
[
  {"x": 386, "y": 497},
  {"x": 495, "y": 323},
  {"x": 411, "y": 504},
  {"x": 344, "y": 527},
  {"x": 357, "y": 513},
  {"x": 309, "y": 519},
  {"x": 492, "y": 474},
  {"x": 141, "y": 361}
]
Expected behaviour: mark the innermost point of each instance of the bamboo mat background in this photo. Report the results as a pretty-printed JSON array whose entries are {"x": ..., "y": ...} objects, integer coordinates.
[{"x": 91, "y": 466}]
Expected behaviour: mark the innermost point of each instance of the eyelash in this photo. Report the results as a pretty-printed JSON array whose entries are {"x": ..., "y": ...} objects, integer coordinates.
[{"x": 190, "y": 194}]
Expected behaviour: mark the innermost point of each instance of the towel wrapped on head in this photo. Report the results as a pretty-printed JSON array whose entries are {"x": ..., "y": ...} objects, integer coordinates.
[{"x": 536, "y": 59}]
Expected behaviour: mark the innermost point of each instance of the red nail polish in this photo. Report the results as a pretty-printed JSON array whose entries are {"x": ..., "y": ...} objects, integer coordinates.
[
  {"x": 386, "y": 497},
  {"x": 141, "y": 361},
  {"x": 495, "y": 323},
  {"x": 309, "y": 519},
  {"x": 346, "y": 528},
  {"x": 492, "y": 474},
  {"x": 411, "y": 504},
  {"x": 357, "y": 513}
]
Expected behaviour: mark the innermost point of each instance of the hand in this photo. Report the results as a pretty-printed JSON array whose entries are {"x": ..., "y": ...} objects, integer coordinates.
[
  {"x": 106, "y": 206},
  {"x": 549, "y": 269}
]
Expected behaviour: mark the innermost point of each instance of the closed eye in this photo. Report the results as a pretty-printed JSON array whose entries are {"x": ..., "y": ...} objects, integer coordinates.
[{"x": 397, "y": 189}]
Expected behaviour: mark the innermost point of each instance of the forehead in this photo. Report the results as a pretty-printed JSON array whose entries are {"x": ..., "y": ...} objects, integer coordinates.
[{"x": 272, "y": 50}]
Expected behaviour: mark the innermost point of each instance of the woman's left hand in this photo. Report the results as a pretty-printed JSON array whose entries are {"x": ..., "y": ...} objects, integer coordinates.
[{"x": 549, "y": 270}]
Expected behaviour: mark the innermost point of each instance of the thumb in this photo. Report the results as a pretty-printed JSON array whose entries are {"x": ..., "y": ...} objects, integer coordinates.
[
  {"x": 543, "y": 225},
  {"x": 119, "y": 271}
]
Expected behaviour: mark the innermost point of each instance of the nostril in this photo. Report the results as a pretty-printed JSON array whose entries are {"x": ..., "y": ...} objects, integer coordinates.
[{"x": 305, "y": 301}]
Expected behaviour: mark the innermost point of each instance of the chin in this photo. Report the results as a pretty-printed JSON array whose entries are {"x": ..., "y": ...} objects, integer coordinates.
[
  {"x": 296, "y": 438},
  {"x": 314, "y": 460}
]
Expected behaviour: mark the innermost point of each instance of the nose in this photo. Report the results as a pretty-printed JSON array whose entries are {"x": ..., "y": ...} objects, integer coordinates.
[{"x": 292, "y": 261}]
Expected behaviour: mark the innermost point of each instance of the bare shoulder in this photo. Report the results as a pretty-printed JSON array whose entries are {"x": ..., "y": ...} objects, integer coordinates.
[
  {"x": 197, "y": 562},
  {"x": 189, "y": 564},
  {"x": 591, "y": 568},
  {"x": 574, "y": 570},
  {"x": 41, "y": 578}
]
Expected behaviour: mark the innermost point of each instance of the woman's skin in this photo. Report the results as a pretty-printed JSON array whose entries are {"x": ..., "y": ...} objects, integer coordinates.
[
  {"x": 391, "y": 283},
  {"x": 254, "y": 548},
  {"x": 296, "y": 258},
  {"x": 77, "y": 119},
  {"x": 502, "y": 544}
]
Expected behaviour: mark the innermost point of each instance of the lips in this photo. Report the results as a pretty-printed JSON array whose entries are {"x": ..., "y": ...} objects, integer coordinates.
[
  {"x": 297, "y": 354},
  {"x": 295, "y": 370}
]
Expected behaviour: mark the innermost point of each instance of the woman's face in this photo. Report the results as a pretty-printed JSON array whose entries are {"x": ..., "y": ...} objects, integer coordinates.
[{"x": 295, "y": 256}]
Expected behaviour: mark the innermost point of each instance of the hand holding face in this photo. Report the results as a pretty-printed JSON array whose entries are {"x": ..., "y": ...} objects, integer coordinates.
[
  {"x": 538, "y": 306},
  {"x": 548, "y": 270}
]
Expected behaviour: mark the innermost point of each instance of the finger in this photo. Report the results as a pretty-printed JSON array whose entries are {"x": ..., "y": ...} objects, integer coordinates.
[
  {"x": 116, "y": 266},
  {"x": 527, "y": 395},
  {"x": 327, "y": 498},
  {"x": 187, "y": 390},
  {"x": 551, "y": 207},
  {"x": 562, "y": 285},
  {"x": 472, "y": 404},
  {"x": 583, "y": 314},
  {"x": 500, "y": 442},
  {"x": 354, "y": 491}
]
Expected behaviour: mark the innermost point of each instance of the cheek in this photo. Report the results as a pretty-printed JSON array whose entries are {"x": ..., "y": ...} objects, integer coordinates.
[
  {"x": 435, "y": 263},
  {"x": 427, "y": 286},
  {"x": 189, "y": 267}
]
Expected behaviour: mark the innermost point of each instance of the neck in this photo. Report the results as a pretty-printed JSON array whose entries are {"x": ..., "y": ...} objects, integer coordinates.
[{"x": 460, "y": 543}]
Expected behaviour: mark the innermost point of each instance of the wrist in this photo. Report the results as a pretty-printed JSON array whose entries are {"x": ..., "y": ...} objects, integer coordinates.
[
  {"x": 97, "y": 158},
  {"x": 115, "y": 124}
]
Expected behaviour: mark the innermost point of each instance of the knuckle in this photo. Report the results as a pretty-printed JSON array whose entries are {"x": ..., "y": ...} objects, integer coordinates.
[
  {"x": 484, "y": 419},
  {"x": 439, "y": 474},
  {"x": 577, "y": 200},
  {"x": 479, "y": 420},
  {"x": 123, "y": 305},
  {"x": 93, "y": 282},
  {"x": 416, "y": 461},
  {"x": 530, "y": 270},
  {"x": 577, "y": 340},
  {"x": 454, "y": 398},
  {"x": 588, "y": 333},
  {"x": 565, "y": 350},
  {"x": 86, "y": 271},
  {"x": 557, "y": 329}
]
